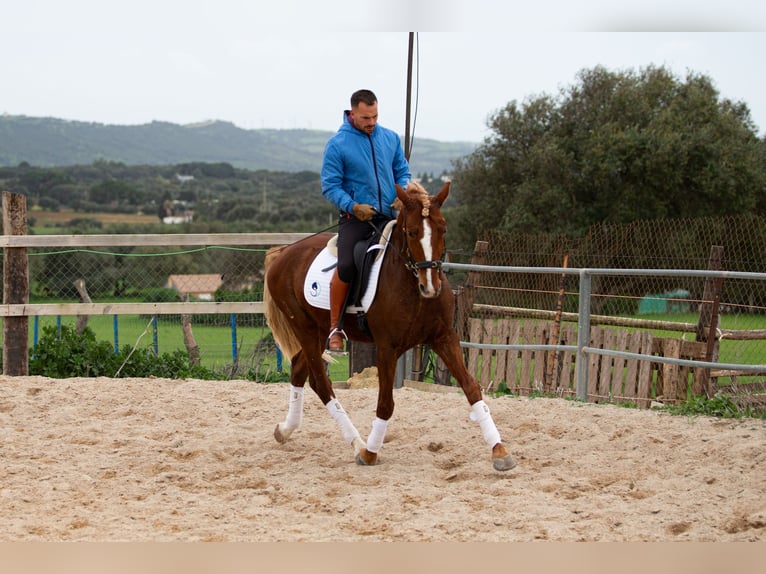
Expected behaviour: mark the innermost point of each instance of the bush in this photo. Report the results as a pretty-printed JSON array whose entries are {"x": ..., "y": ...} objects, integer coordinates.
[
  {"x": 62, "y": 353},
  {"x": 144, "y": 363},
  {"x": 65, "y": 353}
]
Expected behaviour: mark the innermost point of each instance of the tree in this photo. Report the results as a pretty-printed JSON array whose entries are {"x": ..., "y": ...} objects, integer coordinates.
[
  {"x": 36, "y": 182},
  {"x": 615, "y": 147},
  {"x": 115, "y": 192}
]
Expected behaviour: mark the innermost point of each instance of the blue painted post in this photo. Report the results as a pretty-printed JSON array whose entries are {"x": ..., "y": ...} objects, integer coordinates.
[
  {"x": 279, "y": 359},
  {"x": 115, "y": 323},
  {"x": 36, "y": 331},
  {"x": 233, "y": 321},
  {"x": 58, "y": 326}
]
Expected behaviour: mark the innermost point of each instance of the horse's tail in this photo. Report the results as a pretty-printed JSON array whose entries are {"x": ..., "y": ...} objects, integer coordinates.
[{"x": 275, "y": 318}]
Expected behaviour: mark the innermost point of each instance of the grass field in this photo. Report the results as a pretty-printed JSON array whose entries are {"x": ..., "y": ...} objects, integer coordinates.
[
  {"x": 55, "y": 222},
  {"x": 727, "y": 321},
  {"x": 730, "y": 351}
]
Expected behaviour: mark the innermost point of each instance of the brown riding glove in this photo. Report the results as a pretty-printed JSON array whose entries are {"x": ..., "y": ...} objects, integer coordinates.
[{"x": 363, "y": 212}]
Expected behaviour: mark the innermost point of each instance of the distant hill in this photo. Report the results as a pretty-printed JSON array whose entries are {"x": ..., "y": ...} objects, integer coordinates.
[{"x": 49, "y": 142}]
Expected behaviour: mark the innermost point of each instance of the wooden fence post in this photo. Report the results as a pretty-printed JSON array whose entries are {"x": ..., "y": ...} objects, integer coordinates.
[
  {"x": 82, "y": 320},
  {"x": 708, "y": 320},
  {"x": 556, "y": 329},
  {"x": 15, "y": 287},
  {"x": 466, "y": 294},
  {"x": 361, "y": 356},
  {"x": 713, "y": 286}
]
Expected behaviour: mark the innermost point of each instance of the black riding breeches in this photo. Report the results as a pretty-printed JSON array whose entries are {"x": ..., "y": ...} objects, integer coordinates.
[{"x": 350, "y": 232}]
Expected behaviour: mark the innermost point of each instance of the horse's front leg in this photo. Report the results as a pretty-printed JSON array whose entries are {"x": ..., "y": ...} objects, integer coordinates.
[
  {"x": 368, "y": 455},
  {"x": 452, "y": 356}
]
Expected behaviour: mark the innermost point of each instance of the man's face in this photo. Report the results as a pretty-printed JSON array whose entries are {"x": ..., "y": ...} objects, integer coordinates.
[{"x": 365, "y": 117}]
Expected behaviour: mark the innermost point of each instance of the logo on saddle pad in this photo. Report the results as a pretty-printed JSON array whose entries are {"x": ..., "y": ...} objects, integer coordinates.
[{"x": 316, "y": 286}]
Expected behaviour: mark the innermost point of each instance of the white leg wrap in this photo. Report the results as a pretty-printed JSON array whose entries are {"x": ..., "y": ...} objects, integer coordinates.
[
  {"x": 377, "y": 434},
  {"x": 480, "y": 414},
  {"x": 341, "y": 417},
  {"x": 295, "y": 409}
]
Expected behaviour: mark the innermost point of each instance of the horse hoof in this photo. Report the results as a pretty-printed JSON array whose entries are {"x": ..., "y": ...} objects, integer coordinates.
[
  {"x": 501, "y": 459},
  {"x": 503, "y": 464},
  {"x": 280, "y": 435},
  {"x": 366, "y": 458}
]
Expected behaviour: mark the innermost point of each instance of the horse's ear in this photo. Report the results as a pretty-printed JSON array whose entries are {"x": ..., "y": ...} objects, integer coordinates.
[
  {"x": 441, "y": 197},
  {"x": 401, "y": 194}
]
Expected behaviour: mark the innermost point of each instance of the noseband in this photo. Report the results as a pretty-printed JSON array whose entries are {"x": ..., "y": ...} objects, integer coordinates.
[{"x": 414, "y": 266}]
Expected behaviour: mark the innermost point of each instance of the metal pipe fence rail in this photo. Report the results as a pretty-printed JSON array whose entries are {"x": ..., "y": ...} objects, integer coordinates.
[{"x": 583, "y": 348}]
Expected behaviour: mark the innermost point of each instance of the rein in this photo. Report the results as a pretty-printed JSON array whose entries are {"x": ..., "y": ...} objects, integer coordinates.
[
  {"x": 281, "y": 247},
  {"x": 409, "y": 261}
]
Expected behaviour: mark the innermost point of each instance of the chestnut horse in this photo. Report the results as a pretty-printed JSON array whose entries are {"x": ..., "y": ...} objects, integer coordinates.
[{"x": 414, "y": 305}]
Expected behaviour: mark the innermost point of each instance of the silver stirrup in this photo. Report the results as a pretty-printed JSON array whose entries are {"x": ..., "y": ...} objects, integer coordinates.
[{"x": 332, "y": 352}]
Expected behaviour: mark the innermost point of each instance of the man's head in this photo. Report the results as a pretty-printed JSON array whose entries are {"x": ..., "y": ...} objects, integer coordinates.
[{"x": 364, "y": 110}]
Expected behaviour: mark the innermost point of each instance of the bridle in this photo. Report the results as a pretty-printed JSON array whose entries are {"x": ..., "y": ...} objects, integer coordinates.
[{"x": 414, "y": 266}]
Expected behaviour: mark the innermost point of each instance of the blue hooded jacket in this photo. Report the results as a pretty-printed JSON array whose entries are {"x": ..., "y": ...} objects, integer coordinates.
[{"x": 358, "y": 168}]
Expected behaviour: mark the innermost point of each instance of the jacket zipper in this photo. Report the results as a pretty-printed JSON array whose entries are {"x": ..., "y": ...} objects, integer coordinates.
[{"x": 377, "y": 179}]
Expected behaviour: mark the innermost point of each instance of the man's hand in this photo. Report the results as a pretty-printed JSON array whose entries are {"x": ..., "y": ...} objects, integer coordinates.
[{"x": 363, "y": 212}]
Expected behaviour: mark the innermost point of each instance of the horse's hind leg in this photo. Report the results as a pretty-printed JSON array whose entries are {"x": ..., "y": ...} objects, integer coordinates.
[{"x": 298, "y": 374}]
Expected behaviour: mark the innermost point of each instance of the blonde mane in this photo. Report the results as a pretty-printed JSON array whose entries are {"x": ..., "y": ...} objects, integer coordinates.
[{"x": 420, "y": 193}]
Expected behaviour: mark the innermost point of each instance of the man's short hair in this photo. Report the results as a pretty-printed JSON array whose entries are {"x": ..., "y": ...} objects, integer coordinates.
[{"x": 363, "y": 96}]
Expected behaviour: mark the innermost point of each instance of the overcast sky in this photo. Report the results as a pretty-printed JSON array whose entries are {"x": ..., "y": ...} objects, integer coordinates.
[{"x": 293, "y": 64}]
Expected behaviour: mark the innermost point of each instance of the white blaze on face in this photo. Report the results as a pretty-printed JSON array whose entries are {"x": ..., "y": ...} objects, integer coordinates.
[{"x": 425, "y": 242}]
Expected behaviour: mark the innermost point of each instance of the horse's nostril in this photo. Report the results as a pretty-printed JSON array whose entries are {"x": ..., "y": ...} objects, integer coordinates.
[{"x": 429, "y": 292}]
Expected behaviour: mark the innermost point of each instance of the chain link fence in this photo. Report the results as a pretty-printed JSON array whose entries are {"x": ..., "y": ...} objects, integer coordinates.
[
  {"x": 678, "y": 304},
  {"x": 235, "y": 273},
  {"x": 727, "y": 243},
  {"x": 234, "y": 345}
]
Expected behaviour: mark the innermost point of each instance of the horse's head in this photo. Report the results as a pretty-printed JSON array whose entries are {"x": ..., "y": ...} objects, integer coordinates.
[{"x": 421, "y": 221}]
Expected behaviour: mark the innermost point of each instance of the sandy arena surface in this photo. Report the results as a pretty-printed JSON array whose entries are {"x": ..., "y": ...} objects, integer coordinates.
[{"x": 162, "y": 460}]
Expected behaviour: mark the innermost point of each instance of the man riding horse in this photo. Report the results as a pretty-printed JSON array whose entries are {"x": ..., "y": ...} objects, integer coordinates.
[
  {"x": 362, "y": 163},
  {"x": 363, "y": 172}
]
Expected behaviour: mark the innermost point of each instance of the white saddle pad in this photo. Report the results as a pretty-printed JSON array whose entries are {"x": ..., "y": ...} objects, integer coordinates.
[{"x": 316, "y": 287}]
